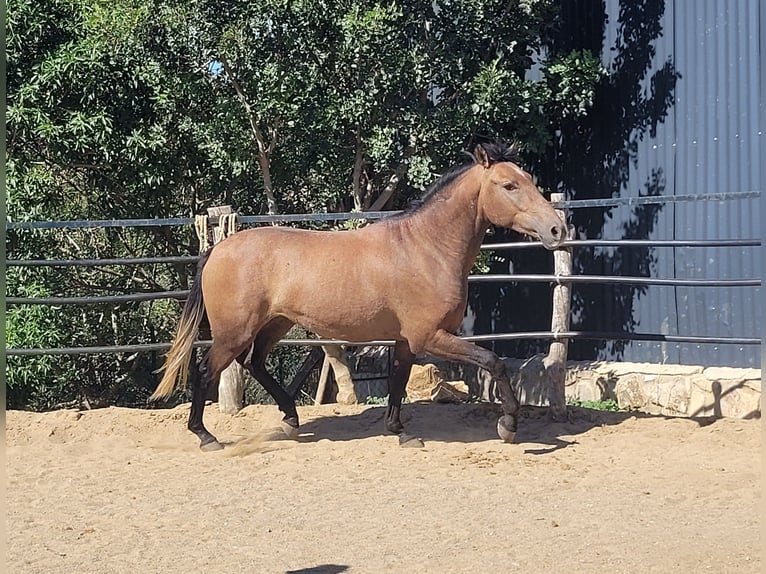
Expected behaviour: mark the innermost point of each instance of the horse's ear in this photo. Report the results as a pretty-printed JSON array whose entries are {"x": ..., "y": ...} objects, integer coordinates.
[{"x": 480, "y": 154}]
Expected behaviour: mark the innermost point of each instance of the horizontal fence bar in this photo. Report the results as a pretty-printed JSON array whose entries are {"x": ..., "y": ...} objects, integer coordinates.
[
  {"x": 486, "y": 247},
  {"x": 95, "y": 300},
  {"x": 251, "y": 219},
  {"x": 587, "y": 335},
  {"x": 521, "y": 278},
  {"x": 616, "y": 336},
  {"x": 100, "y": 262},
  {"x": 178, "y": 221},
  {"x": 574, "y": 279},
  {"x": 99, "y": 350},
  {"x": 629, "y": 243},
  {"x": 654, "y": 199},
  {"x": 101, "y": 223}
]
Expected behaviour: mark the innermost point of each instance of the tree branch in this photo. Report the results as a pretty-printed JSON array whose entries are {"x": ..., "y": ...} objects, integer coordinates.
[
  {"x": 257, "y": 133},
  {"x": 264, "y": 150},
  {"x": 356, "y": 183},
  {"x": 393, "y": 181}
]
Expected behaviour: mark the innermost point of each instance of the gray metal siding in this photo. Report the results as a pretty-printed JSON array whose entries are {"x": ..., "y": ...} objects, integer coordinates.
[{"x": 710, "y": 142}]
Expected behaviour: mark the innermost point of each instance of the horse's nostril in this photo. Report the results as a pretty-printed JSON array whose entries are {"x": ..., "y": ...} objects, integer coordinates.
[{"x": 555, "y": 231}]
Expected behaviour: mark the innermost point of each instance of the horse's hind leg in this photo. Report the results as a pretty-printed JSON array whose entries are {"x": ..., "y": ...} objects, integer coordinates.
[
  {"x": 200, "y": 383},
  {"x": 218, "y": 357},
  {"x": 397, "y": 384},
  {"x": 448, "y": 346},
  {"x": 255, "y": 362}
]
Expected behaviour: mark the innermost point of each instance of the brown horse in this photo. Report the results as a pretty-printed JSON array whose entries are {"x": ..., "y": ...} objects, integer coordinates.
[{"x": 403, "y": 279}]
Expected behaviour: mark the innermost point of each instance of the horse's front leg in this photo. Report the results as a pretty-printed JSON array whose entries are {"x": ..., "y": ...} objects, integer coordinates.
[
  {"x": 397, "y": 384},
  {"x": 448, "y": 346}
]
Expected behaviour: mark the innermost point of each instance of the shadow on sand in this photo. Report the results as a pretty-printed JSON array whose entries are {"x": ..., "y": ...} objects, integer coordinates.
[
  {"x": 472, "y": 422},
  {"x": 321, "y": 569}
]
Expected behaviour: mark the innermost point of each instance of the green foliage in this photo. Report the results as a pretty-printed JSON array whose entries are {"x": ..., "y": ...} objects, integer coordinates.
[
  {"x": 483, "y": 262},
  {"x": 376, "y": 401},
  {"x": 571, "y": 81},
  {"x": 603, "y": 405},
  {"x": 37, "y": 327}
]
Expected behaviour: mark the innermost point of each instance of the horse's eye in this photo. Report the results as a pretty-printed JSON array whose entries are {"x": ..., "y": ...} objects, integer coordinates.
[{"x": 511, "y": 185}]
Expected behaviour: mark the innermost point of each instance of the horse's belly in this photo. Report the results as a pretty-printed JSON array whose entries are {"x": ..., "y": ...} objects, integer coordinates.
[{"x": 354, "y": 325}]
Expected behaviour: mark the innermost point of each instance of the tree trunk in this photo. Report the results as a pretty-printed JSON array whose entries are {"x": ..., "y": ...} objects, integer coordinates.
[
  {"x": 265, "y": 162},
  {"x": 265, "y": 149},
  {"x": 393, "y": 181},
  {"x": 356, "y": 184}
]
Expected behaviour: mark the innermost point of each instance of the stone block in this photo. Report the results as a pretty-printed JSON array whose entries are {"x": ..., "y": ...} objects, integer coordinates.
[
  {"x": 673, "y": 392},
  {"x": 630, "y": 392},
  {"x": 732, "y": 374}
]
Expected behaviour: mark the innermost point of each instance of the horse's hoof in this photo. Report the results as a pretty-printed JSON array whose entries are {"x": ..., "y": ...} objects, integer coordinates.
[
  {"x": 290, "y": 431},
  {"x": 211, "y": 446},
  {"x": 409, "y": 441},
  {"x": 506, "y": 428}
]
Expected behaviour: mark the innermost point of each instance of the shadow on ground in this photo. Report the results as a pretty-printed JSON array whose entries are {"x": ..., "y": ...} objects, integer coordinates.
[
  {"x": 322, "y": 569},
  {"x": 473, "y": 422}
]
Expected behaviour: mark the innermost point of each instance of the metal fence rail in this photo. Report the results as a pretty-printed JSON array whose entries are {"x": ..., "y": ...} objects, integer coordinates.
[
  {"x": 485, "y": 247},
  {"x": 325, "y": 217},
  {"x": 592, "y": 335},
  {"x": 356, "y": 215},
  {"x": 495, "y": 278},
  {"x": 55, "y": 301},
  {"x": 100, "y": 262}
]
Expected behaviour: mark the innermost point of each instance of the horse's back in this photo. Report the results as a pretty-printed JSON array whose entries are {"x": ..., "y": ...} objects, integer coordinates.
[{"x": 315, "y": 278}]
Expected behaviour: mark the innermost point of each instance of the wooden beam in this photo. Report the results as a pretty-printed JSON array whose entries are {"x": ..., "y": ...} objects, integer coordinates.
[{"x": 556, "y": 361}]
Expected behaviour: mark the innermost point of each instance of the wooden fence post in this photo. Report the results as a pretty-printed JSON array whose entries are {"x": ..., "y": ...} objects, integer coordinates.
[
  {"x": 219, "y": 223},
  {"x": 335, "y": 358},
  {"x": 555, "y": 362}
]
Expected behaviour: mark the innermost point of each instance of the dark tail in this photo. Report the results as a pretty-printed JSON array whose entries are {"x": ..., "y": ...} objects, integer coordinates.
[{"x": 176, "y": 365}]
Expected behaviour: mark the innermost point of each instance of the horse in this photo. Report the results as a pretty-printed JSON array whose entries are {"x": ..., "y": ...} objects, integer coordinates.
[{"x": 402, "y": 279}]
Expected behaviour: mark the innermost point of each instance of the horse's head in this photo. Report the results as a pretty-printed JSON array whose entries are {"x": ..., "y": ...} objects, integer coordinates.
[{"x": 509, "y": 198}]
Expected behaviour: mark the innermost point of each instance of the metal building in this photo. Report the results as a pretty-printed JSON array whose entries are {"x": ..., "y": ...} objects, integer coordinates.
[
  {"x": 710, "y": 142},
  {"x": 678, "y": 115}
]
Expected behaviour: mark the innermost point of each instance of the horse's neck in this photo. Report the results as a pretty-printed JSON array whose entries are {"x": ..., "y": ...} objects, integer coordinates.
[{"x": 454, "y": 222}]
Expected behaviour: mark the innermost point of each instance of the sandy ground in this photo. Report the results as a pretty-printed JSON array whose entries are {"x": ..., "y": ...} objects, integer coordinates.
[{"x": 121, "y": 490}]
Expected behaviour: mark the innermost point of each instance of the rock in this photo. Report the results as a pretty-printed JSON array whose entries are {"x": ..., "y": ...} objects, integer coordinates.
[
  {"x": 423, "y": 380},
  {"x": 630, "y": 392},
  {"x": 450, "y": 392}
]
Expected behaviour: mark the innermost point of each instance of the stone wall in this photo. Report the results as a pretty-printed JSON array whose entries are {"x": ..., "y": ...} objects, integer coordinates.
[{"x": 675, "y": 390}]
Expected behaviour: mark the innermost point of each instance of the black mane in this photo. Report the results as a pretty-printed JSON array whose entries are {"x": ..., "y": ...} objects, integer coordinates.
[
  {"x": 496, "y": 152},
  {"x": 499, "y": 152}
]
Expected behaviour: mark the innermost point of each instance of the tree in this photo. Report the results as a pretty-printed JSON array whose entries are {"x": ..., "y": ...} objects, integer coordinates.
[{"x": 97, "y": 127}]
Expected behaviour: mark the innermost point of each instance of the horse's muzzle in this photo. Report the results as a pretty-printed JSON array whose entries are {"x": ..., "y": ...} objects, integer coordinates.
[{"x": 553, "y": 236}]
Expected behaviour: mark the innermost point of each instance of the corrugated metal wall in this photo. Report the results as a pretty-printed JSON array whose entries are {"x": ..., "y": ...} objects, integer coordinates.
[{"x": 710, "y": 142}]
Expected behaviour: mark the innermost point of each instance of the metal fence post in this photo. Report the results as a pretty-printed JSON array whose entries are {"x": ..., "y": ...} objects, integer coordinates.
[{"x": 555, "y": 362}]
